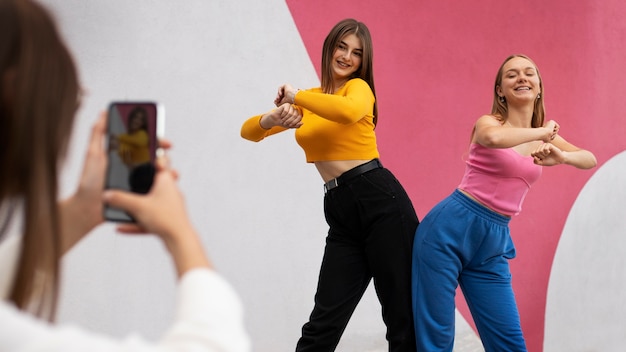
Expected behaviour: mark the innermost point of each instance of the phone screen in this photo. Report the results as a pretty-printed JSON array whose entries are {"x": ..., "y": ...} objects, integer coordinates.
[{"x": 133, "y": 129}]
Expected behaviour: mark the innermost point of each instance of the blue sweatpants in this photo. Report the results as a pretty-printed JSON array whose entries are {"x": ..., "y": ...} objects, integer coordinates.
[{"x": 461, "y": 242}]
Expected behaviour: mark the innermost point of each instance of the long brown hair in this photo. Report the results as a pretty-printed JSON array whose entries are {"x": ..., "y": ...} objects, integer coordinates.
[
  {"x": 38, "y": 99},
  {"x": 365, "y": 72},
  {"x": 500, "y": 109}
]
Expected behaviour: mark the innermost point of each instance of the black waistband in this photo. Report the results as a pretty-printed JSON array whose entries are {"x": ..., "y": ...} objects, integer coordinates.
[{"x": 354, "y": 172}]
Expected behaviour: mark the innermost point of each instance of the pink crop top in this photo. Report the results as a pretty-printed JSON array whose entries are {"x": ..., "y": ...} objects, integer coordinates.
[{"x": 499, "y": 177}]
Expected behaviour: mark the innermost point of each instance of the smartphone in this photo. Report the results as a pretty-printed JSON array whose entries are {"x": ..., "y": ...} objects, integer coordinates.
[{"x": 133, "y": 132}]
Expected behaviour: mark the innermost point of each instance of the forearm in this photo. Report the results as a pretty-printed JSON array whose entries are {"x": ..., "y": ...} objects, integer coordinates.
[
  {"x": 498, "y": 137},
  {"x": 582, "y": 159},
  {"x": 253, "y": 130},
  {"x": 341, "y": 109},
  {"x": 76, "y": 221},
  {"x": 187, "y": 252},
  {"x": 347, "y": 105}
]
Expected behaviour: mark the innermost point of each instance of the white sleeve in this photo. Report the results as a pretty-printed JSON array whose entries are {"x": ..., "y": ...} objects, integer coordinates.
[{"x": 209, "y": 318}]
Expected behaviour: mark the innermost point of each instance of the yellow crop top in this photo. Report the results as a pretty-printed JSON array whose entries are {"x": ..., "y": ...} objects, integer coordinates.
[
  {"x": 337, "y": 126},
  {"x": 134, "y": 148}
]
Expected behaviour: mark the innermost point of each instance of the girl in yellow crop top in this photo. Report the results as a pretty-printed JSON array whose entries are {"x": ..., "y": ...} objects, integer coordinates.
[
  {"x": 134, "y": 146},
  {"x": 371, "y": 218}
]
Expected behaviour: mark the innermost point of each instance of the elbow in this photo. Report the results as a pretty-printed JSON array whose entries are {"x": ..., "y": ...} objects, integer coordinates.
[
  {"x": 250, "y": 137},
  {"x": 346, "y": 121},
  {"x": 592, "y": 162},
  {"x": 349, "y": 117},
  {"x": 351, "y": 113},
  {"x": 491, "y": 140}
]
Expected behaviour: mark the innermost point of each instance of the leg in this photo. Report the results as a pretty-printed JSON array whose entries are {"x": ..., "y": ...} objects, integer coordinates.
[
  {"x": 436, "y": 266},
  {"x": 342, "y": 281},
  {"x": 391, "y": 221},
  {"x": 486, "y": 284},
  {"x": 343, "y": 278}
]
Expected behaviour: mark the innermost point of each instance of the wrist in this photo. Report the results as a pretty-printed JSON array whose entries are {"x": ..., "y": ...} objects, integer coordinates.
[
  {"x": 566, "y": 158},
  {"x": 261, "y": 119},
  {"x": 187, "y": 252},
  {"x": 545, "y": 137},
  {"x": 293, "y": 99}
]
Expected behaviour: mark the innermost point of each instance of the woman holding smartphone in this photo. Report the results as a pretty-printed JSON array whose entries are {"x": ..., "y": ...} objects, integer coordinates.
[
  {"x": 372, "y": 221},
  {"x": 39, "y": 97}
]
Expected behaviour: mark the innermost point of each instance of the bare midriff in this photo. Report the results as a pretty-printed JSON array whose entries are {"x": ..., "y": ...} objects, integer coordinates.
[{"x": 334, "y": 168}]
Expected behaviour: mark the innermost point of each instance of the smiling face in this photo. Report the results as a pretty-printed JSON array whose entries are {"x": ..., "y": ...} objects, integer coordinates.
[
  {"x": 346, "y": 59},
  {"x": 520, "y": 81},
  {"x": 137, "y": 120}
]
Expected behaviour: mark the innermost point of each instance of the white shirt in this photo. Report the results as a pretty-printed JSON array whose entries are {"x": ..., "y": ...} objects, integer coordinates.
[{"x": 209, "y": 316}]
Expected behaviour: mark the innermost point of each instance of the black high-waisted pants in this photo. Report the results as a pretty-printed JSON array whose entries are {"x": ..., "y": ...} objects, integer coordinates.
[{"x": 372, "y": 224}]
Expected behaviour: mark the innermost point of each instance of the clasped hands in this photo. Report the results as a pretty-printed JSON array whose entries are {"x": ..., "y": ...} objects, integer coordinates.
[
  {"x": 286, "y": 113},
  {"x": 547, "y": 154}
]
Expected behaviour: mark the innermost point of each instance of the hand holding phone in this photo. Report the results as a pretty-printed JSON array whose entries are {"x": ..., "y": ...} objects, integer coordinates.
[{"x": 133, "y": 131}]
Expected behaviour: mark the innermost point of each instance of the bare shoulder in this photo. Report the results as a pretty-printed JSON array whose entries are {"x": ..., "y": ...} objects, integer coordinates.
[
  {"x": 491, "y": 119},
  {"x": 484, "y": 127},
  {"x": 488, "y": 121}
]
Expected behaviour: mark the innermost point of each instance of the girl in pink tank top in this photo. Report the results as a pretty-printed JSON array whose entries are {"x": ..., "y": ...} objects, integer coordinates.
[
  {"x": 499, "y": 178},
  {"x": 464, "y": 240}
]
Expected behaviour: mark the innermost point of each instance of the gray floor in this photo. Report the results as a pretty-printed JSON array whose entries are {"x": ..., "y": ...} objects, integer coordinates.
[{"x": 466, "y": 340}]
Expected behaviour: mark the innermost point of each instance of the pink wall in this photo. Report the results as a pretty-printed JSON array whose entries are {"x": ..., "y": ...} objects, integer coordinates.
[{"x": 435, "y": 64}]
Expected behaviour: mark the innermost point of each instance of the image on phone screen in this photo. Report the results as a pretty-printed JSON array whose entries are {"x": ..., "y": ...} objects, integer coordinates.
[{"x": 132, "y": 144}]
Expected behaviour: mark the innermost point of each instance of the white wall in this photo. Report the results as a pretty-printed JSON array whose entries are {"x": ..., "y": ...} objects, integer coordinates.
[
  {"x": 258, "y": 206},
  {"x": 586, "y": 305}
]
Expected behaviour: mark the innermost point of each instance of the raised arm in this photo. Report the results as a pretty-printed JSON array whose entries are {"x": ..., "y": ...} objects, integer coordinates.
[
  {"x": 82, "y": 211},
  {"x": 356, "y": 102},
  {"x": 490, "y": 133},
  {"x": 162, "y": 212}
]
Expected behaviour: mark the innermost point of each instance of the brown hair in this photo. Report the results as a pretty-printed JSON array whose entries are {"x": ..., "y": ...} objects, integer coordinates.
[
  {"x": 137, "y": 111},
  {"x": 500, "y": 108},
  {"x": 38, "y": 99},
  {"x": 365, "y": 72}
]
